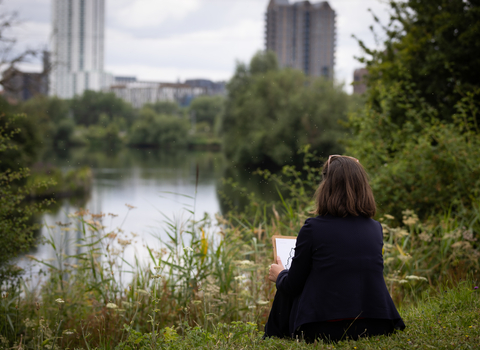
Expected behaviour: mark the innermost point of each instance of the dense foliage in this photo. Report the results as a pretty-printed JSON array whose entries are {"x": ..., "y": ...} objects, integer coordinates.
[
  {"x": 16, "y": 225},
  {"x": 271, "y": 113},
  {"x": 418, "y": 133},
  {"x": 158, "y": 130},
  {"x": 89, "y": 108},
  {"x": 207, "y": 109}
]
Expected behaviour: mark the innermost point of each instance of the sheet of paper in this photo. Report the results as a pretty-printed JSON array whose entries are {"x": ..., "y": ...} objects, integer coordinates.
[{"x": 285, "y": 250}]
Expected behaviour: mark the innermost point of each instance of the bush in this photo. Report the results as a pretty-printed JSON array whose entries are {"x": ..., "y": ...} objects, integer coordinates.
[
  {"x": 155, "y": 130},
  {"x": 16, "y": 216},
  {"x": 418, "y": 134}
]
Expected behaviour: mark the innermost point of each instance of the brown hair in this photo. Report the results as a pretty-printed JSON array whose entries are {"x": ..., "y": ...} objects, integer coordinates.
[{"x": 344, "y": 189}]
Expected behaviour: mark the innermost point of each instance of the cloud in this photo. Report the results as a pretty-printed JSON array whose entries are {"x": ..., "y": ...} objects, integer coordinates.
[
  {"x": 188, "y": 38},
  {"x": 201, "y": 52},
  {"x": 150, "y": 13}
]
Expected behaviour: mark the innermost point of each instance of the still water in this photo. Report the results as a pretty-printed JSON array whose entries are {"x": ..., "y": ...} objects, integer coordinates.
[{"x": 157, "y": 183}]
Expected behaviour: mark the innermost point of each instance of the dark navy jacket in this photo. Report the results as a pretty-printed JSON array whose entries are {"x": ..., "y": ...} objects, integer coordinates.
[{"x": 337, "y": 272}]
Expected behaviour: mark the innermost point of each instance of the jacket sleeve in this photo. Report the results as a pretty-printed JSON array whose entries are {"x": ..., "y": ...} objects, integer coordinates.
[{"x": 292, "y": 281}]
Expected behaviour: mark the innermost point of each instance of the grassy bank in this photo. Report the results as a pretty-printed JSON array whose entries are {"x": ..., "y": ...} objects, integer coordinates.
[
  {"x": 205, "y": 282},
  {"x": 448, "y": 319}
]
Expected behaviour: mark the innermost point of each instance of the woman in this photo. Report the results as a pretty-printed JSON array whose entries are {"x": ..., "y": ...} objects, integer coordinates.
[{"x": 334, "y": 288}]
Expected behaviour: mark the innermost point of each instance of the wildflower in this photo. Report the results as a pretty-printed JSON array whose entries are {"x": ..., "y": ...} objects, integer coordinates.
[
  {"x": 143, "y": 292},
  {"x": 68, "y": 332},
  {"x": 402, "y": 281},
  {"x": 404, "y": 257},
  {"x": 112, "y": 306},
  {"x": 388, "y": 260},
  {"x": 462, "y": 245},
  {"x": 189, "y": 249},
  {"x": 59, "y": 223},
  {"x": 244, "y": 262},
  {"x": 416, "y": 278},
  {"x": 409, "y": 217},
  {"x": 130, "y": 207},
  {"x": 262, "y": 302},
  {"x": 60, "y": 301},
  {"x": 126, "y": 304},
  {"x": 399, "y": 233},
  {"x": 425, "y": 237},
  {"x": 124, "y": 242},
  {"x": 476, "y": 287},
  {"x": 240, "y": 278}
]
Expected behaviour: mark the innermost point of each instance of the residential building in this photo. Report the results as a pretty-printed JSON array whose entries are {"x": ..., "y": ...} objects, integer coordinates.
[
  {"x": 303, "y": 35},
  {"x": 139, "y": 93},
  {"x": 78, "y": 47},
  {"x": 21, "y": 86},
  {"x": 212, "y": 88},
  {"x": 359, "y": 85}
]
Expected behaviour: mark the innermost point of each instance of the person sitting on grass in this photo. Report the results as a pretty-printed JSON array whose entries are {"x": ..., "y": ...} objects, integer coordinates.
[{"x": 334, "y": 289}]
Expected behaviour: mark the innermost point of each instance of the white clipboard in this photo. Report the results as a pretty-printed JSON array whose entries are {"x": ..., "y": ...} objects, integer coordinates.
[{"x": 284, "y": 247}]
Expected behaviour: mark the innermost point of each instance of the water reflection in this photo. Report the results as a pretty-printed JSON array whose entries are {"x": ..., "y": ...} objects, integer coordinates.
[{"x": 158, "y": 184}]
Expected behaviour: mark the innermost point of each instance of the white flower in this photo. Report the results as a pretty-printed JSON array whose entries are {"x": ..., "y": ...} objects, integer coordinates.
[
  {"x": 262, "y": 302},
  {"x": 402, "y": 281},
  {"x": 126, "y": 304},
  {"x": 416, "y": 278},
  {"x": 188, "y": 249},
  {"x": 244, "y": 262},
  {"x": 112, "y": 306},
  {"x": 59, "y": 300}
]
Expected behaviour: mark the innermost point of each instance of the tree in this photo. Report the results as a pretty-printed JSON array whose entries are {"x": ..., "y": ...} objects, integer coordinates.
[
  {"x": 431, "y": 50},
  {"x": 10, "y": 57},
  {"x": 418, "y": 133},
  {"x": 207, "y": 109},
  {"x": 52, "y": 118},
  {"x": 271, "y": 113},
  {"x": 88, "y": 108},
  {"x": 16, "y": 226},
  {"x": 24, "y": 138},
  {"x": 158, "y": 130},
  {"x": 165, "y": 107}
]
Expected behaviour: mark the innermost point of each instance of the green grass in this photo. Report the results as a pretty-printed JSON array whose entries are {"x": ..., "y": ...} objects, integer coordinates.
[{"x": 448, "y": 320}]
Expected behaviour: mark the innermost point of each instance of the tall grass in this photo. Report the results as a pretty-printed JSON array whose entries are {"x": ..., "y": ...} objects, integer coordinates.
[{"x": 206, "y": 273}]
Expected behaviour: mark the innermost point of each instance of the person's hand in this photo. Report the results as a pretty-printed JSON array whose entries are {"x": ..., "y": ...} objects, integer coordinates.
[{"x": 275, "y": 269}]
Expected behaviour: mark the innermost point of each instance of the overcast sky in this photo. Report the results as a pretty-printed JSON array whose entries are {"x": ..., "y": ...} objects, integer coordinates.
[{"x": 167, "y": 40}]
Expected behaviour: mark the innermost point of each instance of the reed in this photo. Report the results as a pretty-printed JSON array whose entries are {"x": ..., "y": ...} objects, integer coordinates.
[{"x": 207, "y": 276}]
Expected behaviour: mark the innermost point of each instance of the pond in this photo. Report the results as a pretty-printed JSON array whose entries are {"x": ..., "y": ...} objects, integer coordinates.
[{"x": 160, "y": 185}]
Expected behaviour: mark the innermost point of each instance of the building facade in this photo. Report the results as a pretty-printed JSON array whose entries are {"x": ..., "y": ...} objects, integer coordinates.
[
  {"x": 303, "y": 35},
  {"x": 77, "y": 47},
  {"x": 21, "y": 86},
  {"x": 139, "y": 93},
  {"x": 359, "y": 84}
]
